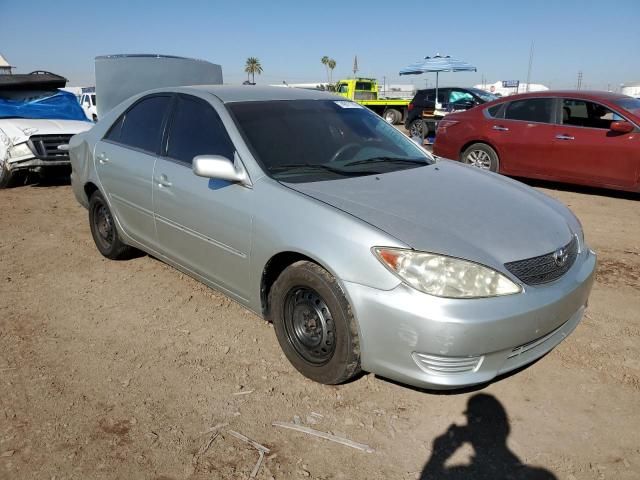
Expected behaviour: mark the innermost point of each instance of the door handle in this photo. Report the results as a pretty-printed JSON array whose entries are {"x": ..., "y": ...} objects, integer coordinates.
[
  {"x": 565, "y": 137},
  {"x": 102, "y": 158},
  {"x": 500, "y": 128},
  {"x": 163, "y": 181}
]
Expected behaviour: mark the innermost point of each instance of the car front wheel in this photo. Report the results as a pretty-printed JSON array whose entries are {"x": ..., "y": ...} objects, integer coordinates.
[
  {"x": 482, "y": 156},
  {"x": 314, "y": 324},
  {"x": 6, "y": 176}
]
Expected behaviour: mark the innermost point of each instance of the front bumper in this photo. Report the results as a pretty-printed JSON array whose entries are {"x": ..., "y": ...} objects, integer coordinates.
[
  {"x": 440, "y": 343},
  {"x": 33, "y": 162}
]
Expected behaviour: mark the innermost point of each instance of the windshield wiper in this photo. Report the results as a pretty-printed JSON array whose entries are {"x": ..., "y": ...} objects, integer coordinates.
[
  {"x": 317, "y": 166},
  {"x": 388, "y": 160}
]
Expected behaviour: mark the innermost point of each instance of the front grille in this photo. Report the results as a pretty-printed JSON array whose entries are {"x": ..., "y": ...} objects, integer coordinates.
[
  {"x": 545, "y": 268},
  {"x": 438, "y": 365},
  {"x": 45, "y": 147}
]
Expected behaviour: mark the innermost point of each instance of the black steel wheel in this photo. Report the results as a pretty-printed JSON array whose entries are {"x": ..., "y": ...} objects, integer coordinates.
[
  {"x": 314, "y": 324},
  {"x": 104, "y": 231},
  {"x": 309, "y": 326}
]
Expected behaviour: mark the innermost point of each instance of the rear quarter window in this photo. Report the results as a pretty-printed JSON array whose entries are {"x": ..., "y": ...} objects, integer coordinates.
[
  {"x": 495, "y": 111},
  {"x": 141, "y": 126}
]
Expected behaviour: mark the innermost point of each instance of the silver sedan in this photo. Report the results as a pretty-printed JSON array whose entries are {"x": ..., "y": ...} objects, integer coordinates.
[{"x": 364, "y": 252}]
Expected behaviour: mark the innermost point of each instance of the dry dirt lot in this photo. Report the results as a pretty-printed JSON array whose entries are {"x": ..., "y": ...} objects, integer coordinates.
[{"x": 117, "y": 370}]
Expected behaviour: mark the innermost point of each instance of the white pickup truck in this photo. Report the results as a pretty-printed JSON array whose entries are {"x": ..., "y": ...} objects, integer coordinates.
[
  {"x": 36, "y": 122},
  {"x": 88, "y": 104}
]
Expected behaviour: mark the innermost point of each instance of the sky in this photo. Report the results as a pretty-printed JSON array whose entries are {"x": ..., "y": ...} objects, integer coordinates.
[{"x": 601, "y": 39}]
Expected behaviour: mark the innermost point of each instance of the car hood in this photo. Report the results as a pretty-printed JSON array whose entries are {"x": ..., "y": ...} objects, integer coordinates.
[
  {"x": 453, "y": 209},
  {"x": 20, "y": 129}
]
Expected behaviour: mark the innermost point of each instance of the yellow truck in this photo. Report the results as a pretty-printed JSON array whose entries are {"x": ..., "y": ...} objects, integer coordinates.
[{"x": 365, "y": 92}]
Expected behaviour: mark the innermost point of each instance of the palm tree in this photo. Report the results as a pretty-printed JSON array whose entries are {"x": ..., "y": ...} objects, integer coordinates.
[
  {"x": 331, "y": 64},
  {"x": 325, "y": 61},
  {"x": 252, "y": 67}
]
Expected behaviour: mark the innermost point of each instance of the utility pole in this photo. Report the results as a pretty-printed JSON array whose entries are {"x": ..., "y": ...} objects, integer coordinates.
[
  {"x": 530, "y": 64},
  {"x": 579, "y": 86}
]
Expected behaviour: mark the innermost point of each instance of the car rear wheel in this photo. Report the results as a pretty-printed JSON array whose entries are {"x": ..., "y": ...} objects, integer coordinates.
[
  {"x": 314, "y": 324},
  {"x": 391, "y": 116},
  {"x": 482, "y": 156},
  {"x": 103, "y": 229},
  {"x": 416, "y": 129}
]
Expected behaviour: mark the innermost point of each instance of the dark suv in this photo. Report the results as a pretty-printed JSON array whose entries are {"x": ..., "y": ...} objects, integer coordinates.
[{"x": 421, "y": 110}]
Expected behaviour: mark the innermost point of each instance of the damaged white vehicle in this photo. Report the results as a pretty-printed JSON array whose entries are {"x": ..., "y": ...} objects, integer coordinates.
[{"x": 36, "y": 122}]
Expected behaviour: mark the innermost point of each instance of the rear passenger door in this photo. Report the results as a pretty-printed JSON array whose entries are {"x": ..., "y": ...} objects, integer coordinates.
[
  {"x": 524, "y": 136},
  {"x": 204, "y": 225},
  {"x": 124, "y": 160}
]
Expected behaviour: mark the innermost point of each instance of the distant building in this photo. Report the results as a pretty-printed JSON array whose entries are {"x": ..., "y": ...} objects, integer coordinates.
[
  {"x": 499, "y": 89},
  {"x": 633, "y": 90},
  {"x": 5, "y": 68}
]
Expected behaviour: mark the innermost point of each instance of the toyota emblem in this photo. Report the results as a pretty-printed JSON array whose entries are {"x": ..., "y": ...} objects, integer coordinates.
[{"x": 561, "y": 256}]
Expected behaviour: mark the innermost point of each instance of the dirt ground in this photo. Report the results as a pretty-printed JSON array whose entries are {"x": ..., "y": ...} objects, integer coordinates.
[{"x": 119, "y": 370}]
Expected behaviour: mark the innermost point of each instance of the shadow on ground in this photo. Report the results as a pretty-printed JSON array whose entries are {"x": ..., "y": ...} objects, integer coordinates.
[{"x": 486, "y": 431}]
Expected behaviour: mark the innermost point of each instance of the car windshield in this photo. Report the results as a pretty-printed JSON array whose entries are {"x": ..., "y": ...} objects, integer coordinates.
[
  {"x": 629, "y": 103},
  {"x": 486, "y": 96},
  {"x": 313, "y": 140}
]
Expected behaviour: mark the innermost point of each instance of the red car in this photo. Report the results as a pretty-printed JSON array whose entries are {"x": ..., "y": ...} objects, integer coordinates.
[{"x": 589, "y": 138}]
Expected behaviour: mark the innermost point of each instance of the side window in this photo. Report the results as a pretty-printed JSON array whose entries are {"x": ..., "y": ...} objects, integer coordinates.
[
  {"x": 113, "y": 134},
  {"x": 494, "y": 111},
  {"x": 93, "y": 100},
  {"x": 582, "y": 113},
  {"x": 196, "y": 129},
  {"x": 142, "y": 124},
  {"x": 530, "y": 110}
]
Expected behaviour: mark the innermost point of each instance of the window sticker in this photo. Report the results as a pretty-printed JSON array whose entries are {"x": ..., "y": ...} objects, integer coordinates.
[{"x": 347, "y": 104}]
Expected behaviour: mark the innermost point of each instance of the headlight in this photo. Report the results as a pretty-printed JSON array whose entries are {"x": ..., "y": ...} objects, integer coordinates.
[
  {"x": 20, "y": 150},
  {"x": 444, "y": 276}
]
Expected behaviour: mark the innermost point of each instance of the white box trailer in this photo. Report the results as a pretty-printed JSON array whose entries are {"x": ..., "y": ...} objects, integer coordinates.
[{"x": 119, "y": 77}]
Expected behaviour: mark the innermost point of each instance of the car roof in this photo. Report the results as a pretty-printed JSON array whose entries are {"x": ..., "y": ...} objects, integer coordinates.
[
  {"x": 253, "y": 93},
  {"x": 447, "y": 88},
  {"x": 578, "y": 94}
]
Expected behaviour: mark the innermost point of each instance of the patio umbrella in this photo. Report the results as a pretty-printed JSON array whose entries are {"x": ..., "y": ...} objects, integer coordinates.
[{"x": 437, "y": 64}]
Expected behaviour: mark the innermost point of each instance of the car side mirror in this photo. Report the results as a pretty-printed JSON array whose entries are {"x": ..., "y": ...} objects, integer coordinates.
[
  {"x": 221, "y": 168},
  {"x": 621, "y": 127}
]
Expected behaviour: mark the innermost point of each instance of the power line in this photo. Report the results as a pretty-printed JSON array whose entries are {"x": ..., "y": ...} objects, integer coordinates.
[{"x": 579, "y": 86}]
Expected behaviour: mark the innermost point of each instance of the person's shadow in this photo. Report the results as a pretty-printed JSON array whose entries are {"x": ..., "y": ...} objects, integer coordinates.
[{"x": 486, "y": 431}]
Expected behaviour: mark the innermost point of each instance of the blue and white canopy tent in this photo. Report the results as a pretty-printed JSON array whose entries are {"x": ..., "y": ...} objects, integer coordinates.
[{"x": 437, "y": 64}]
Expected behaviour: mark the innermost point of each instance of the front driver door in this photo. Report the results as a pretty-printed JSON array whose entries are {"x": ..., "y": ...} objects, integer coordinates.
[
  {"x": 125, "y": 158},
  {"x": 588, "y": 151},
  {"x": 204, "y": 225}
]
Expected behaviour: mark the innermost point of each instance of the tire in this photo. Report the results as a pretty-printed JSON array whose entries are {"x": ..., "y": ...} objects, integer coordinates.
[
  {"x": 104, "y": 231},
  {"x": 7, "y": 177},
  {"x": 392, "y": 116},
  {"x": 314, "y": 324},
  {"x": 416, "y": 129},
  {"x": 389, "y": 116},
  {"x": 482, "y": 156},
  {"x": 94, "y": 117}
]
